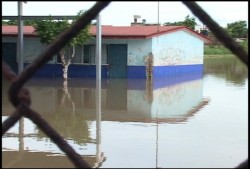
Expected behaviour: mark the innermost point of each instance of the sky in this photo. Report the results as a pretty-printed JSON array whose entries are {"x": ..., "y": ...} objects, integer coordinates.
[{"x": 120, "y": 13}]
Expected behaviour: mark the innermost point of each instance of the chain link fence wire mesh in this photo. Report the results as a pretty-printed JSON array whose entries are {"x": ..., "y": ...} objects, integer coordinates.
[{"x": 20, "y": 97}]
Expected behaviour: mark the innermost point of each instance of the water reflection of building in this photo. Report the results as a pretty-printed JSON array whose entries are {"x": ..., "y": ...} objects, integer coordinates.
[
  {"x": 170, "y": 100},
  {"x": 23, "y": 146},
  {"x": 122, "y": 99}
]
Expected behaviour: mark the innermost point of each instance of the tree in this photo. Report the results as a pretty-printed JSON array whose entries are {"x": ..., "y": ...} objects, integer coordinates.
[
  {"x": 188, "y": 21},
  {"x": 49, "y": 29},
  {"x": 9, "y": 22},
  {"x": 180, "y": 23},
  {"x": 15, "y": 22},
  {"x": 237, "y": 29}
]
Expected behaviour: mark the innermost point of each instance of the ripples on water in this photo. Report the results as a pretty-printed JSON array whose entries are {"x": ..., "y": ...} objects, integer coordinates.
[{"x": 186, "y": 121}]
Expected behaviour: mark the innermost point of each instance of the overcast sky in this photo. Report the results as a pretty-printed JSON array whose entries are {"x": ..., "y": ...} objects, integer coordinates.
[{"x": 121, "y": 13}]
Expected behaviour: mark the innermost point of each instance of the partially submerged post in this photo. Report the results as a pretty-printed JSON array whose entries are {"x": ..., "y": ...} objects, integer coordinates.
[{"x": 98, "y": 91}]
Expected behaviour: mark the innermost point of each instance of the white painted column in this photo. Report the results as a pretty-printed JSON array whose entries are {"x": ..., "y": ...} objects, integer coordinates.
[{"x": 20, "y": 37}]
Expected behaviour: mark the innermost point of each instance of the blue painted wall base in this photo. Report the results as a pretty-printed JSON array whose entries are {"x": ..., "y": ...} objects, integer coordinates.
[
  {"x": 135, "y": 72},
  {"x": 56, "y": 71}
]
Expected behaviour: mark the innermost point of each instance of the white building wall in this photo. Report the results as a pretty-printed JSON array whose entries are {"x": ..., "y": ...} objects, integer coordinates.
[
  {"x": 177, "y": 48},
  {"x": 32, "y": 47},
  {"x": 138, "y": 49}
]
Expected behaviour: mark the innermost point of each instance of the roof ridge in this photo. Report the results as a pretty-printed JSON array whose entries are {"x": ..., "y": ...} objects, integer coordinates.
[{"x": 110, "y": 31}]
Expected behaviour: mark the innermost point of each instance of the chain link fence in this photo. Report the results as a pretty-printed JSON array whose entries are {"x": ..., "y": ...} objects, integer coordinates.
[{"x": 20, "y": 97}]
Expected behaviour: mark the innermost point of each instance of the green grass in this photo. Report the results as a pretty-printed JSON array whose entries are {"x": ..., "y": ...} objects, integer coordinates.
[
  {"x": 216, "y": 50},
  {"x": 217, "y": 56},
  {"x": 213, "y": 50}
]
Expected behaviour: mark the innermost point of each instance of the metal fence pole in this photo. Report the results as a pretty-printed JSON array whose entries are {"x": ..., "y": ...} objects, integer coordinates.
[
  {"x": 98, "y": 47},
  {"x": 20, "y": 37}
]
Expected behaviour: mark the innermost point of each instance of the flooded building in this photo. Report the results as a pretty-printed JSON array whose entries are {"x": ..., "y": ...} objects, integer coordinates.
[{"x": 135, "y": 51}]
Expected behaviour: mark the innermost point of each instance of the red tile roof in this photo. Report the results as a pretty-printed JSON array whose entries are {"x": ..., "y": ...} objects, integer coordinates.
[
  {"x": 13, "y": 30},
  {"x": 118, "y": 32}
]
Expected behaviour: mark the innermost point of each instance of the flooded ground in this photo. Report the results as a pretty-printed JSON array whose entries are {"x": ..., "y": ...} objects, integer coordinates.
[{"x": 187, "y": 121}]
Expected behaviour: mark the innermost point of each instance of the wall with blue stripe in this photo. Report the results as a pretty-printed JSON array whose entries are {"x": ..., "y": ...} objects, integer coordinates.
[
  {"x": 166, "y": 47},
  {"x": 74, "y": 71},
  {"x": 164, "y": 71},
  {"x": 89, "y": 71}
]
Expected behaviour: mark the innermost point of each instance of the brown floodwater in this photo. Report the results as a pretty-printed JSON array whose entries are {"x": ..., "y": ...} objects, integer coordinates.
[{"x": 183, "y": 121}]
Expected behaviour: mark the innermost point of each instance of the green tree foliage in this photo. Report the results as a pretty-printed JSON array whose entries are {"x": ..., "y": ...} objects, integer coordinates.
[
  {"x": 15, "y": 22},
  {"x": 237, "y": 29},
  {"x": 9, "y": 22},
  {"x": 49, "y": 29},
  {"x": 188, "y": 21},
  {"x": 180, "y": 23}
]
